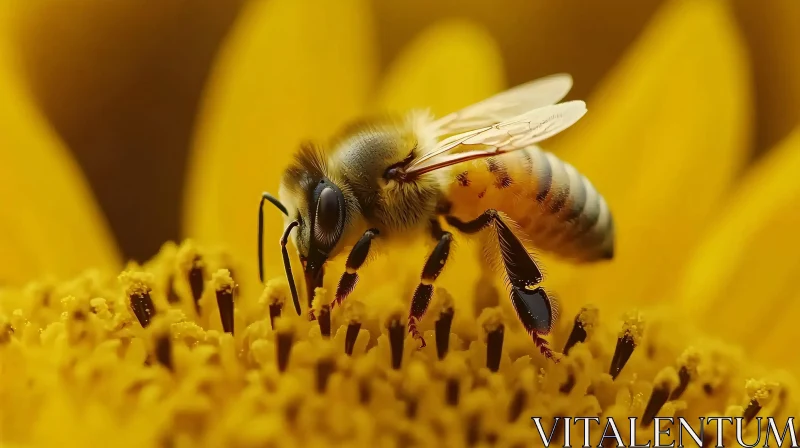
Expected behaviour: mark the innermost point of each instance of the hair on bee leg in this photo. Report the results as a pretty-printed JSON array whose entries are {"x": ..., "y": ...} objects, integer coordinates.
[
  {"x": 355, "y": 260},
  {"x": 522, "y": 270},
  {"x": 535, "y": 310},
  {"x": 288, "y": 266},
  {"x": 274, "y": 201},
  {"x": 430, "y": 272}
]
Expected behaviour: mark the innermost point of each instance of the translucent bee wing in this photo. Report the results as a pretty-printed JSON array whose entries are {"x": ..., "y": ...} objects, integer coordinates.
[
  {"x": 517, "y": 133},
  {"x": 508, "y": 104}
]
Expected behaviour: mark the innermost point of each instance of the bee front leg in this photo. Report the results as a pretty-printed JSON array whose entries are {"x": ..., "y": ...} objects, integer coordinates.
[
  {"x": 536, "y": 311},
  {"x": 356, "y": 259},
  {"x": 433, "y": 267}
]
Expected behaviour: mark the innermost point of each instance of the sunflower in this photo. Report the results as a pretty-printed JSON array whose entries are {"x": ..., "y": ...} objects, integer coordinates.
[{"x": 188, "y": 350}]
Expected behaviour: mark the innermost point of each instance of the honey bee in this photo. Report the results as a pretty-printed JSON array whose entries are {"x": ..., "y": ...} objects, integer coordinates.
[{"x": 478, "y": 169}]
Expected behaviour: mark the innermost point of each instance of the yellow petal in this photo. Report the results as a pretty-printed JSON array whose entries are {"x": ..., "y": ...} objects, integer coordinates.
[
  {"x": 537, "y": 37},
  {"x": 49, "y": 223},
  {"x": 120, "y": 81},
  {"x": 450, "y": 65},
  {"x": 743, "y": 280},
  {"x": 662, "y": 141},
  {"x": 291, "y": 70},
  {"x": 772, "y": 30}
]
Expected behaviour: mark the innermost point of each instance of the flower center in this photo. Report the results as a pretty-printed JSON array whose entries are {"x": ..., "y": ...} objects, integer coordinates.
[{"x": 177, "y": 353}]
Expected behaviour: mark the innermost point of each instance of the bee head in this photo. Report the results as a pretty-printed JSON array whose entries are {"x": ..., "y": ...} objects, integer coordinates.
[{"x": 323, "y": 208}]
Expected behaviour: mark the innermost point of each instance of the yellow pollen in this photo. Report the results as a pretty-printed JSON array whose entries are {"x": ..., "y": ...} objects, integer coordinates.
[
  {"x": 284, "y": 326},
  {"x": 188, "y": 256},
  {"x": 454, "y": 366},
  {"x": 491, "y": 319},
  {"x": 588, "y": 318},
  {"x": 276, "y": 292},
  {"x": 633, "y": 326},
  {"x": 320, "y": 295},
  {"x": 690, "y": 359},
  {"x": 444, "y": 298},
  {"x": 136, "y": 283},
  {"x": 354, "y": 310},
  {"x": 83, "y": 367},
  {"x": 417, "y": 379},
  {"x": 761, "y": 391},
  {"x": 222, "y": 280},
  {"x": 667, "y": 378}
]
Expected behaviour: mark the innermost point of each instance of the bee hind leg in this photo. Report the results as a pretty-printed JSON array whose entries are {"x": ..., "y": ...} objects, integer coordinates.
[
  {"x": 536, "y": 311},
  {"x": 430, "y": 272},
  {"x": 356, "y": 259}
]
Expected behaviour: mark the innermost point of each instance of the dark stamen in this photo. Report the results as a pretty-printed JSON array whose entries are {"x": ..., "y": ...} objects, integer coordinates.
[
  {"x": 443, "y": 332},
  {"x": 274, "y": 313},
  {"x": 196, "y": 281},
  {"x": 143, "y": 307},
  {"x": 164, "y": 350},
  {"x": 292, "y": 411},
  {"x": 324, "y": 319},
  {"x": 396, "y": 333},
  {"x": 631, "y": 334},
  {"x": 225, "y": 304},
  {"x": 6, "y": 331},
  {"x": 658, "y": 398},
  {"x": 684, "y": 376},
  {"x": 753, "y": 408},
  {"x": 622, "y": 354},
  {"x": 350, "y": 337},
  {"x": 452, "y": 391},
  {"x": 569, "y": 384},
  {"x": 494, "y": 348},
  {"x": 172, "y": 295},
  {"x": 364, "y": 391},
  {"x": 325, "y": 368},
  {"x": 412, "y": 405},
  {"x": 578, "y": 334},
  {"x": 473, "y": 430},
  {"x": 517, "y": 405},
  {"x": 285, "y": 340}
]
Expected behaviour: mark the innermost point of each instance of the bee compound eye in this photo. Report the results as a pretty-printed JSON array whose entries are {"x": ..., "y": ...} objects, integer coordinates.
[{"x": 329, "y": 214}]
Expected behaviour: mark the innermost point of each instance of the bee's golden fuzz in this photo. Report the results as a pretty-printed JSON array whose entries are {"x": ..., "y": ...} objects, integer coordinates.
[{"x": 555, "y": 207}]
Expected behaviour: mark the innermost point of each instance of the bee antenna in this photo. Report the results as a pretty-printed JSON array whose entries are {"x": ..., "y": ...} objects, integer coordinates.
[
  {"x": 274, "y": 201},
  {"x": 288, "y": 266}
]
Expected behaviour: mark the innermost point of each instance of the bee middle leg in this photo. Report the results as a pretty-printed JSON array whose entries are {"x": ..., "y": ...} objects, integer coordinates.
[
  {"x": 355, "y": 260},
  {"x": 430, "y": 272},
  {"x": 536, "y": 311}
]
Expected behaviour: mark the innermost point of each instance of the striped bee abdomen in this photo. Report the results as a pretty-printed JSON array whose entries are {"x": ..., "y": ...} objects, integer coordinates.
[{"x": 556, "y": 207}]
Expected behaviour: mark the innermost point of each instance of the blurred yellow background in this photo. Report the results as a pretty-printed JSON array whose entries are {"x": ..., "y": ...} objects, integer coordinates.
[
  {"x": 120, "y": 82},
  {"x": 175, "y": 115}
]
